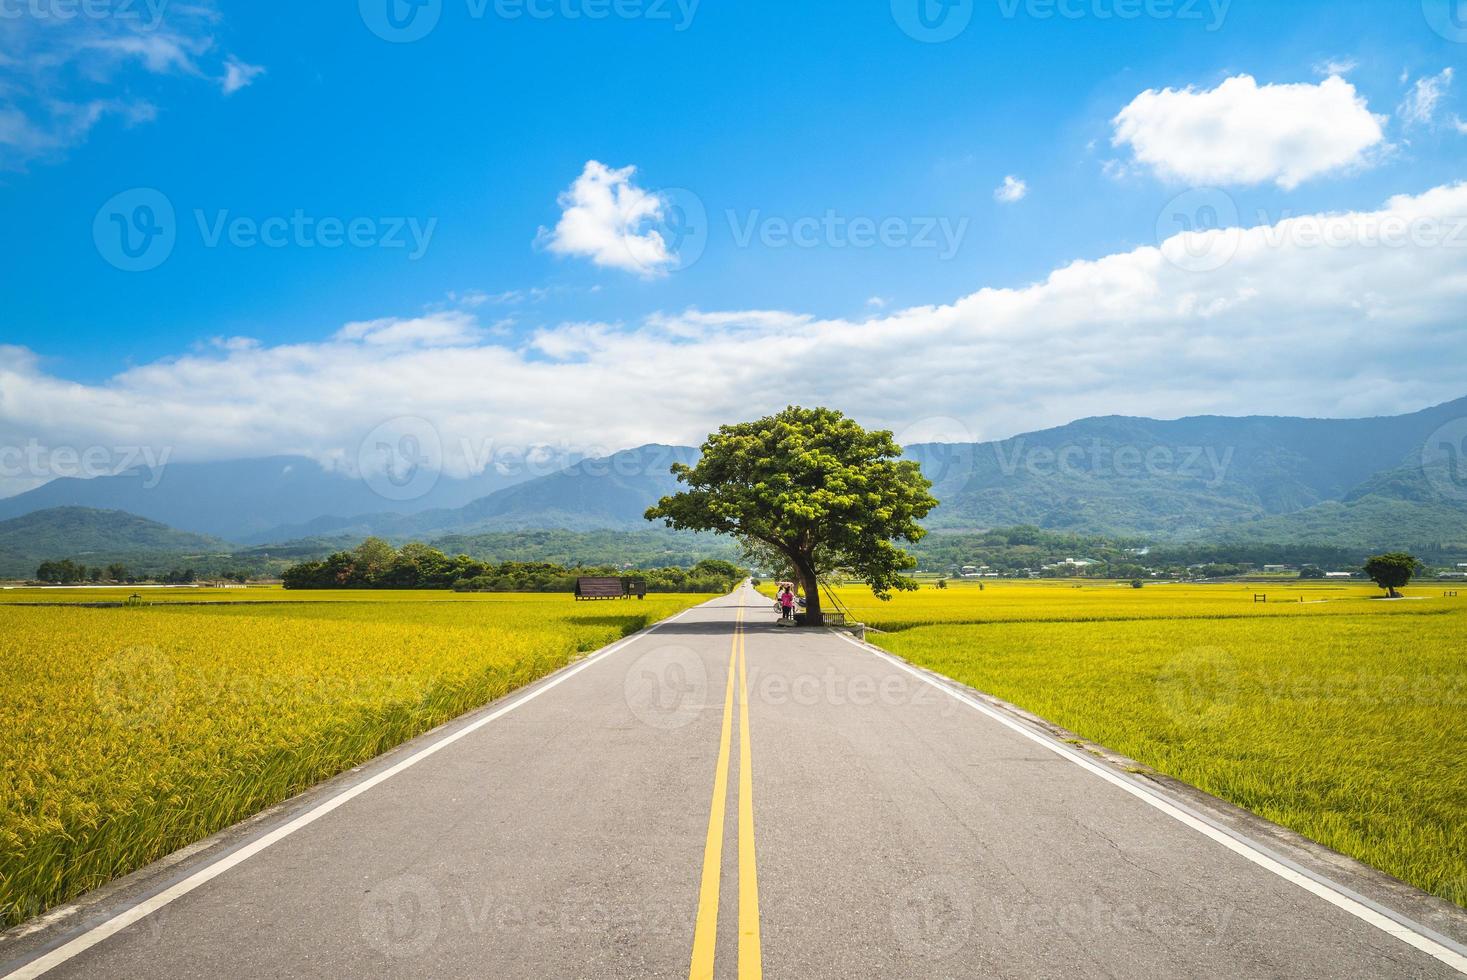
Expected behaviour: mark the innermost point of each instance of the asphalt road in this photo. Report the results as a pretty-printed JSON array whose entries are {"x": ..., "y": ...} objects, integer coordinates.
[{"x": 725, "y": 796}]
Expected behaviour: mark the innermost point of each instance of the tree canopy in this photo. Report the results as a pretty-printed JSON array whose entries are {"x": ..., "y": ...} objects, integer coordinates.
[
  {"x": 376, "y": 564},
  {"x": 1392, "y": 571},
  {"x": 815, "y": 487}
]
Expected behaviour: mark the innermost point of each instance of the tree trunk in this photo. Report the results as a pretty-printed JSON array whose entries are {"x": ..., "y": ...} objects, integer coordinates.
[{"x": 811, "y": 583}]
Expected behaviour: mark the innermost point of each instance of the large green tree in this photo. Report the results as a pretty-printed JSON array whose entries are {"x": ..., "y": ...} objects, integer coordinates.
[
  {"x": 813, "y": 486},
  {"x": 1392, "y": 571}
]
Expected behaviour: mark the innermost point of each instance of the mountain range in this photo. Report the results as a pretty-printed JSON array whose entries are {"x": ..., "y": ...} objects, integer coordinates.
[{"x": 1336, "y": 481}]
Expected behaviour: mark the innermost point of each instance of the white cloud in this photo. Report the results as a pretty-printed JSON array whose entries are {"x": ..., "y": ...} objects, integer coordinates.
[
  {"x": 1245, "y": 133},
  {"x": 61, "y": 77},
  {"x": 1312, "y": 316},
  {"x": 442, "y": 329},
  {"x": 1011, "y": 190},
  {"x": 158, "y": 51},
  {"x": 57, "y": 125},
  {"x": 238, "y": 75},
  {"x": 610, "y": 220},
  {"x": 1421, "y": 103},
  {"x": 1336, "y": 66}
]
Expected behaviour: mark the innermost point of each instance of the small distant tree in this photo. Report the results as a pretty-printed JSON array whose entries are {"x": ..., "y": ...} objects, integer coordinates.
[
  {"x": 117, "y": 572},
  {"x": 1311, "y": 572},
  {"x": 1136, "y": 583},
  {"x": 1392, "y": 571}
]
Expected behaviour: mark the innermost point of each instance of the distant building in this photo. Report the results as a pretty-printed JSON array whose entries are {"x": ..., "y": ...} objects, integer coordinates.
[{"x": 1339, "y": 574}]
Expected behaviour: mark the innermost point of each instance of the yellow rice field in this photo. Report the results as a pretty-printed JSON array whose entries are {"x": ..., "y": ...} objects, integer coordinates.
[
  {"x": 131, "y": 732},
  {"x": 1342, "y": 716}
]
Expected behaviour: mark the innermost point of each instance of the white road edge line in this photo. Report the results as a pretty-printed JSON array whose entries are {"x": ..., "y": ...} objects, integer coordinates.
[
  {"x": 49, "y": 961},
  {"x": 1412, "y": 934}
]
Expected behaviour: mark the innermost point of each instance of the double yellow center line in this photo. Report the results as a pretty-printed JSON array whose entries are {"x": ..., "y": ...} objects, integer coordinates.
[{"x": 705, "y": 933}]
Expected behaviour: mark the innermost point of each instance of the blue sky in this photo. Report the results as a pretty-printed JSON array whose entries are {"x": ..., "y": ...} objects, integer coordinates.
[{"x": 480, "y": 130}]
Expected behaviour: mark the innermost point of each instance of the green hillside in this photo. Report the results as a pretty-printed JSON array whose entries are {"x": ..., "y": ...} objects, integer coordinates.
[{"x": 95, "y": 537}]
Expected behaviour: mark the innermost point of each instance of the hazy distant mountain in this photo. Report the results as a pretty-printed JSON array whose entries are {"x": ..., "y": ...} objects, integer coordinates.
[
  {"x": 605, "y": 493},
  {"x": 237, "y": 500},
  {"x": 1348, "y": 479},
  {"x": 598, "y": 493},
  {"x": 1172, "y": 479},
  {"x": 1177, "y": 480},
  {"x": 93, "y": 537}
]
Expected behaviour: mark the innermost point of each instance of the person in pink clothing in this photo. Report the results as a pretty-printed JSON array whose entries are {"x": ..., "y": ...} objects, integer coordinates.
[{"x": 787, "y": 603}]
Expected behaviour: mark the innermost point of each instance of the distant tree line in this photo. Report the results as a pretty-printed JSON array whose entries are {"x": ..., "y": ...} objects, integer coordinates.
[
  {"x": 376, "y": 564},
  {"x": 1024, "y": 549},
  {"x": 68, "y": 572}
]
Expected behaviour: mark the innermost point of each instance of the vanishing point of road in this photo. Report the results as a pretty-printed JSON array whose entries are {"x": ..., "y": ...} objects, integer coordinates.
[{"x": 718, "y": 796}]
